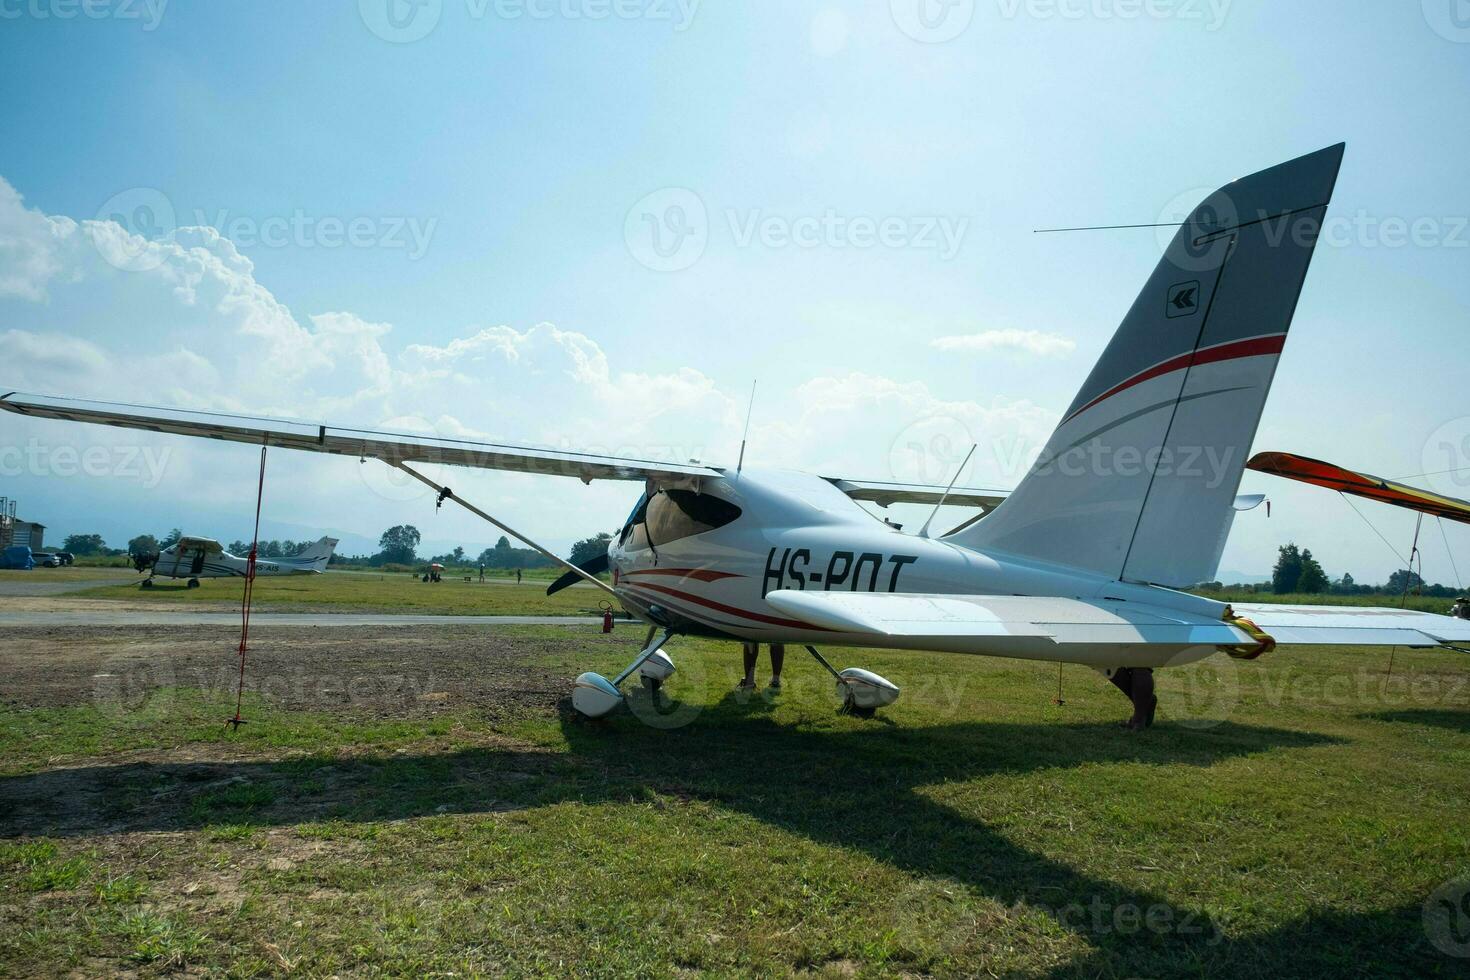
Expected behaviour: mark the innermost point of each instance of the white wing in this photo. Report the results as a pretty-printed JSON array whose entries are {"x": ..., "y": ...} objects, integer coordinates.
[
  {"x": 1060, "y": 620},
  {"x": 884, "y": 494},
  {"x": 1103, "y": 632},
  {"x": 1010, "y": 625},
  {"x": 1354, "y": 625},
  {"x": 387, "y": 446}
]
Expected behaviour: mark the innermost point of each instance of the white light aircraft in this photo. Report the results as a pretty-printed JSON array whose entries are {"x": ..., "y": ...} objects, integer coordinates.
[
  {"x": 1131, "y": 499},
  {"x": 197, "y": 558}
]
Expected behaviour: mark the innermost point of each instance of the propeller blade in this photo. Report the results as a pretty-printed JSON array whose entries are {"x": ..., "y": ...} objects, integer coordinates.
[{"x": 592, "y": 566}]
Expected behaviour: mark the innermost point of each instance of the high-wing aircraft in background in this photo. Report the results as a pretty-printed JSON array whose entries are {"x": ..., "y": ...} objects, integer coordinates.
[
  {"x": 1131, "y": 499},
  {"x": 197, "y": 558}
]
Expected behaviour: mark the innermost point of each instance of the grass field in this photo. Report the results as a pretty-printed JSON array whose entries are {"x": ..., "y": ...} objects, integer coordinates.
[
  {"x": 341, "y": 591},
  {"x": 1295, "y": 816}
]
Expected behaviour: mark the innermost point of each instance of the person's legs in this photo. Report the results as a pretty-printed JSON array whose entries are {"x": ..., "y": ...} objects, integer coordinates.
[
  {"x": 752, "y": 652},
  {"x": 778, "y": 657}
]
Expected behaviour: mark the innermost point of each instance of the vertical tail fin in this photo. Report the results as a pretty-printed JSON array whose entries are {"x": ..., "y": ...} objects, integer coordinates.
[
  {"x": 319, "y": 554},
  {"x": 1138, "y": 480}
]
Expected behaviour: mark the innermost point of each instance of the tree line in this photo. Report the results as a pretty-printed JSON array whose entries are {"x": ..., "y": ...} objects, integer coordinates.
[
  {"x": 1297, "y": 572},
  {"x": 396, "y": 546}
]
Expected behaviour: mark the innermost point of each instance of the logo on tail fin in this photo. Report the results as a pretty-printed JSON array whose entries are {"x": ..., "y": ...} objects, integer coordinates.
[{"x": 1183, "y": 299}]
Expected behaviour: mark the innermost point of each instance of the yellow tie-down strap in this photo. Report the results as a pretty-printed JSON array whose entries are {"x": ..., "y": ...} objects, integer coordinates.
[{"x": 1265, "y": 643}]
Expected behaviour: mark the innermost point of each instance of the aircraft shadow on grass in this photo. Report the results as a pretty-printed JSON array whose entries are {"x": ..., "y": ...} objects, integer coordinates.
[
  {"x": 857, "y": 789},
  {"x": 1457, "y": 721}
]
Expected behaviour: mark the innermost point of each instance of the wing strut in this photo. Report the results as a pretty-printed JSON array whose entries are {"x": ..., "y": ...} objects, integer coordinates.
[{"x": 447, "y": 494}]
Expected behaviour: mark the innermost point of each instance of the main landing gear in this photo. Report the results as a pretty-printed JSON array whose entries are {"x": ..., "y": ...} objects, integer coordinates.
[
  {"x": 862, "y": 691},
  {"x": 1137, "y": 683},
  {"x": 595, "y": 696}
]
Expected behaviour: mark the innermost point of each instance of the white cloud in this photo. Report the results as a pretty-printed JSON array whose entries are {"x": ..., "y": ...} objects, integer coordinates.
[
  {"x": 1010, "y": 341},
  {"x": 92, "y": 310},
  {"x": 29, "y": 246}
]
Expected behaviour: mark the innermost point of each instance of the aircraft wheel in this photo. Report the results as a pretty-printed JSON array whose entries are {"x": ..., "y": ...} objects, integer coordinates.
[
  {"x": 147, "y": 583},
  {"x": 193, "y": 583}
]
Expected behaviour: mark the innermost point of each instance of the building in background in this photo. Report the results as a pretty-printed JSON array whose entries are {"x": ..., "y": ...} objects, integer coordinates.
[
  {"x": 27, "y": 533},
  {"x": 7, "y": 521}
]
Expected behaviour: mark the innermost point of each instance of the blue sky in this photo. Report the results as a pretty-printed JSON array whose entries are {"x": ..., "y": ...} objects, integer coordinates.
[{"x": 497, "y": 171}]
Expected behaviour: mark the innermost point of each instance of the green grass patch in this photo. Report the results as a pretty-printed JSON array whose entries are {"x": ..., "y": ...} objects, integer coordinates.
[
  {"x": 1291, "y": 816},
  {"x": 336, "y": 591}
]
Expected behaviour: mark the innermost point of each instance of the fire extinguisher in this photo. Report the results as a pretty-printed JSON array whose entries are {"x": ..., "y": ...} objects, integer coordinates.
[{"x": 607, "y": 617}]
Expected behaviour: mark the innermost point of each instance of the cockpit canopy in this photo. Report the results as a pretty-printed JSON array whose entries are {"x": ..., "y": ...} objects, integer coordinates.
[{"x": 668, "y": 515}]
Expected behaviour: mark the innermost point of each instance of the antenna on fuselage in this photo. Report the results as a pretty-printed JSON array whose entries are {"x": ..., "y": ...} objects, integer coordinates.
[
  {"x": 924, "y": 531},
  {"x": 749, "y": 411}
]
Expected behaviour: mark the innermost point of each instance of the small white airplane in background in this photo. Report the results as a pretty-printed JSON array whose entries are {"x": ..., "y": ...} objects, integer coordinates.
[
  {"x": 1131, "y": 499},
  {"x": 197, "y": 558}
]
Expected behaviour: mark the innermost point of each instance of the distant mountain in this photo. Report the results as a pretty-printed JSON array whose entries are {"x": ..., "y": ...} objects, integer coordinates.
[{"x": 1231, "y": 577}]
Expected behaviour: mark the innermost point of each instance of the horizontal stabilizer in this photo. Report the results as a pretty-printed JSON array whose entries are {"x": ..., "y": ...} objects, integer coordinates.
[
  {"x": 883, "y": 494},
  {"x": 1354, "y": 625}
]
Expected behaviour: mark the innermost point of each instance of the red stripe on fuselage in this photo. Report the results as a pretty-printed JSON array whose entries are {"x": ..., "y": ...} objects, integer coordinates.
[
  {"x": 731, "y": 610},
  {"x": 1250, "y": 347},
  {"x": 698, "y": 574}
]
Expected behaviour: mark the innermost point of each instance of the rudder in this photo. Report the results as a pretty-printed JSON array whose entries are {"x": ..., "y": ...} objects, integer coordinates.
[{"x": 1138, "y": 479}]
